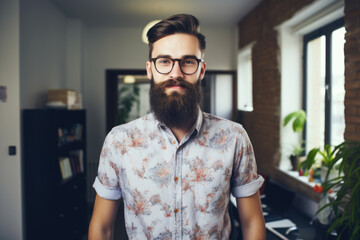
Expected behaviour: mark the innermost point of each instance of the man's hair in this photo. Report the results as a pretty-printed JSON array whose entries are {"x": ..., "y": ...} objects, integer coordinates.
[{"x": 180, "y": 23}]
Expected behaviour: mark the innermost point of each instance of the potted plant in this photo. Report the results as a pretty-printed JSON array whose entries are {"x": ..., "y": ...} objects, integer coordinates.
[
  {"x": 345, "y": 206},
  {"x": 318, "y": 162},
  {"x": 322, "y": 164},
  {"x": 298, "y": 119}
]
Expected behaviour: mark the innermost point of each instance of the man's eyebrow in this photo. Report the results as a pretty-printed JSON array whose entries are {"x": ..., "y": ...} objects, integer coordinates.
[
  {"x": 163, "y": 56},
  {"x": 189, "y": 56},
  {"x": 169, "y": 56}
]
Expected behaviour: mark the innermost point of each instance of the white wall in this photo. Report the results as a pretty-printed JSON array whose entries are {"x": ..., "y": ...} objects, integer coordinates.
[
  {"x": 221, "y": 48},
  {"x": 111, "y": 48},
  {"x": 122, "y": 48},
  {"x": 291, "y": 90},
  {"x": 10, "y": 166},
  {"x": 73, "y": 55},
  {"x": 43, "y": 47}
]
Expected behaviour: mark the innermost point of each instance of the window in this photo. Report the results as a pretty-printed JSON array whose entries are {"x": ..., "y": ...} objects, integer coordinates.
[
  {"x": 292, "y": 35},
  {"x": 218, "y": 93},
  {"x": 244, "y": 79},
  {"x": 324, "y": 85}
]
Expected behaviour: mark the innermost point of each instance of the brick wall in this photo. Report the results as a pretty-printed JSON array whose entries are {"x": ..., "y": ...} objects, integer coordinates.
[
  {"x": 352, "y": 70},
  {"x": 264, "y": 122}
]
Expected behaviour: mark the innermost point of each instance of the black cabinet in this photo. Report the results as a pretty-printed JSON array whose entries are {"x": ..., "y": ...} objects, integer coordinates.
[{"x": 54, "y": 167}]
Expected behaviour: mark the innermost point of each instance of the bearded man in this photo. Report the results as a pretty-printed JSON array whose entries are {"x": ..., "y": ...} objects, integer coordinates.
[{"x": 176, "y": 167}]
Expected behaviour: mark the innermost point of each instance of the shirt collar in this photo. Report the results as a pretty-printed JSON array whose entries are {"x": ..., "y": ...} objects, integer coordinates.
[
  {"x": 196, "y": 128},
  {"x": 199, "y": 122}
]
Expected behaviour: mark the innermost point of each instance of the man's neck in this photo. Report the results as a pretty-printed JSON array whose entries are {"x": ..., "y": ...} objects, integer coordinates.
[{"x": 179, "y": 133}]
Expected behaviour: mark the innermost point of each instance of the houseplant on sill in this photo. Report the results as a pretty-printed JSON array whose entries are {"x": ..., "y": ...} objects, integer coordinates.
[
  {"x": 298, "y": 117},
  {"x": 322, "y": 164},
  {"x": 345, "y": 206}
]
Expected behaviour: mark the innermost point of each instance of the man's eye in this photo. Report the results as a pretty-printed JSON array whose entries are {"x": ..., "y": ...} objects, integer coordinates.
[
  {"x": 189, "y": 62},
  {"x": 164, "y": 61}
]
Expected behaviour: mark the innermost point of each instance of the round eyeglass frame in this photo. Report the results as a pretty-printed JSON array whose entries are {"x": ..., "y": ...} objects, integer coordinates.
[{"x": 173, "y": 64}]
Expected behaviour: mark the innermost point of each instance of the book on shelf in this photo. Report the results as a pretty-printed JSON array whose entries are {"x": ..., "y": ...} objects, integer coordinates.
[
  {"x": 69, "y": 134},
  {"x": 72, "y": 165},
  {"x": 62, "y": 168},
  {"x": 78, "y": 131},
  {"x": 65, "y": 168},
  {"x": 76, "y": 158}
]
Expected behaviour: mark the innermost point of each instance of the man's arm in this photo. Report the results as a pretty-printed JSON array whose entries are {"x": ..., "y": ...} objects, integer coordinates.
[
  {"x": 103, "y": 219},
  {"x": 251, "y": 217}
]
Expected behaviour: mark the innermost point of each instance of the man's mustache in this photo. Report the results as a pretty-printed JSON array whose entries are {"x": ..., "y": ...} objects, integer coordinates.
[{"x": 173, "y": 82}]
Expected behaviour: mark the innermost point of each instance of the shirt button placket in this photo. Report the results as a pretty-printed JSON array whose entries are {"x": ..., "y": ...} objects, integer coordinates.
[{"x": 177, "y": 182}]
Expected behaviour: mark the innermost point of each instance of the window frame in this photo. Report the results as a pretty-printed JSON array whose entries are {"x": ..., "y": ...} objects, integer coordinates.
[
  {"x": 323, "y": 31},
  {"x": 244, "y": 81}
]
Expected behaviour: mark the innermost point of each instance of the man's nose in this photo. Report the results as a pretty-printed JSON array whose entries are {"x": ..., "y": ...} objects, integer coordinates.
[{"x": 176, "y": 71}]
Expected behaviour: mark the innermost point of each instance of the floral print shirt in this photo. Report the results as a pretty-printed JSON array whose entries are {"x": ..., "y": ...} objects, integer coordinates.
[{"x": 177, "y": 190}]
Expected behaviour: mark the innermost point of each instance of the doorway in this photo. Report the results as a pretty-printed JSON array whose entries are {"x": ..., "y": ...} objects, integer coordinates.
[{"x": 127, "y": 95}]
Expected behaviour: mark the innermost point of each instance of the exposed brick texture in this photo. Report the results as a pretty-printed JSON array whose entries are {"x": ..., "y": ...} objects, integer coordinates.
[
  {"x": 263, "y": 123},
  {"x": 352, "y": 70}
]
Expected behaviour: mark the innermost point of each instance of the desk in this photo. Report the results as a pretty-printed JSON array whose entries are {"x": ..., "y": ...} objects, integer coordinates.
[{"x": 277, "y": 206}]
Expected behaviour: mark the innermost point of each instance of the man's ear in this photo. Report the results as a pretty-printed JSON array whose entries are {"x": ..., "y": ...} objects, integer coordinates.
[
  {"x": 202, "y": 70},
  {"x": 148, "y": 70}
]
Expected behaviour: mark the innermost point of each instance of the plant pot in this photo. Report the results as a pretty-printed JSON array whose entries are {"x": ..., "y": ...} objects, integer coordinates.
[
  {"x": 295, "y": 161},
  {"x": 325, "y": 215},
  {"x": 333, "y": 173}
]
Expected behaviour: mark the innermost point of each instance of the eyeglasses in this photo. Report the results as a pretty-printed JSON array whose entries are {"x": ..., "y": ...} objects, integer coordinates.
[{"x": 188, "y": 65}]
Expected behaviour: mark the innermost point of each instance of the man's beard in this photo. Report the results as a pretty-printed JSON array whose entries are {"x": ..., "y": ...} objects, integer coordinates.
[{"x": 176, "y": 110}]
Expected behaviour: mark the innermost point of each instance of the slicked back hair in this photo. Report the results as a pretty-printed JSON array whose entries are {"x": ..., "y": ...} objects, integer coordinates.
[{"x": 180, "y": 23}]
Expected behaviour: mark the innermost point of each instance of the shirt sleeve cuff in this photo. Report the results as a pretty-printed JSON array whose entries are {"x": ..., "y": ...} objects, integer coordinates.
[
  {"x": 105, "y": 192},
  {"x": 248, "y": 189}
]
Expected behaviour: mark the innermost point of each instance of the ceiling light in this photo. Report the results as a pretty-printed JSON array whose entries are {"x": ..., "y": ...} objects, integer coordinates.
[
  {"x": 146, "y": 29},
  {"x": 129, "y": 79}
]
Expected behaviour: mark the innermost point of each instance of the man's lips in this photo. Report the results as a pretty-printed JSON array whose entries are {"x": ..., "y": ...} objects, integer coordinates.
[{"x": 175, "y": 87}]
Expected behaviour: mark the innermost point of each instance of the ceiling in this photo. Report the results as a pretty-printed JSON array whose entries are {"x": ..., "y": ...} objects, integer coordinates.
[{"x": 137, "y": 13}]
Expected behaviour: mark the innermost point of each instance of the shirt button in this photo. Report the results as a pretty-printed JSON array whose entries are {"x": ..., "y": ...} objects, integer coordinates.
[
  {"x": 176, "y": 210},
  {"x": 176, "y": 179}
]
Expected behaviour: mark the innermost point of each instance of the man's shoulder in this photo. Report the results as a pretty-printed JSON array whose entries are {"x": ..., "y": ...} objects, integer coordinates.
[
  {"x": 220, "y": 122},
  {"x": 132, "y": 134},
  {"x": 217, "y": 129},
  {"x": 139, "y": 123}
]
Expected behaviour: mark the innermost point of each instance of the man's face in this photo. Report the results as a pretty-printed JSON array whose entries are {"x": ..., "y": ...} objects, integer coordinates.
[
  {"x": 176, "y": 46},
  {"x": 175, "y": 96}
]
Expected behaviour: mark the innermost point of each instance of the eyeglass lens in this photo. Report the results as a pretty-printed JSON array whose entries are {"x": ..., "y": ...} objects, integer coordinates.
[{"x": 187, "y": 65}]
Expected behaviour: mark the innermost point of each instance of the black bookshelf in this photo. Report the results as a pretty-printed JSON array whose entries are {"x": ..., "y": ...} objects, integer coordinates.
[{"x": 54, "y": 170}]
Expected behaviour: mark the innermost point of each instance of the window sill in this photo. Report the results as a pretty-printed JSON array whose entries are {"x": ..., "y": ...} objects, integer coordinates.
[{"x": 298, "y": 184}]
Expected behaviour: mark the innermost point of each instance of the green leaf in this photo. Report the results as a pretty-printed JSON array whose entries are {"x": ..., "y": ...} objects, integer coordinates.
[
  {"x": 299, "y": 120},
  {"x": 288, "y": 118},
  {"x": 310, "y": 158},
  {"x": 347, "y": 154}
]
